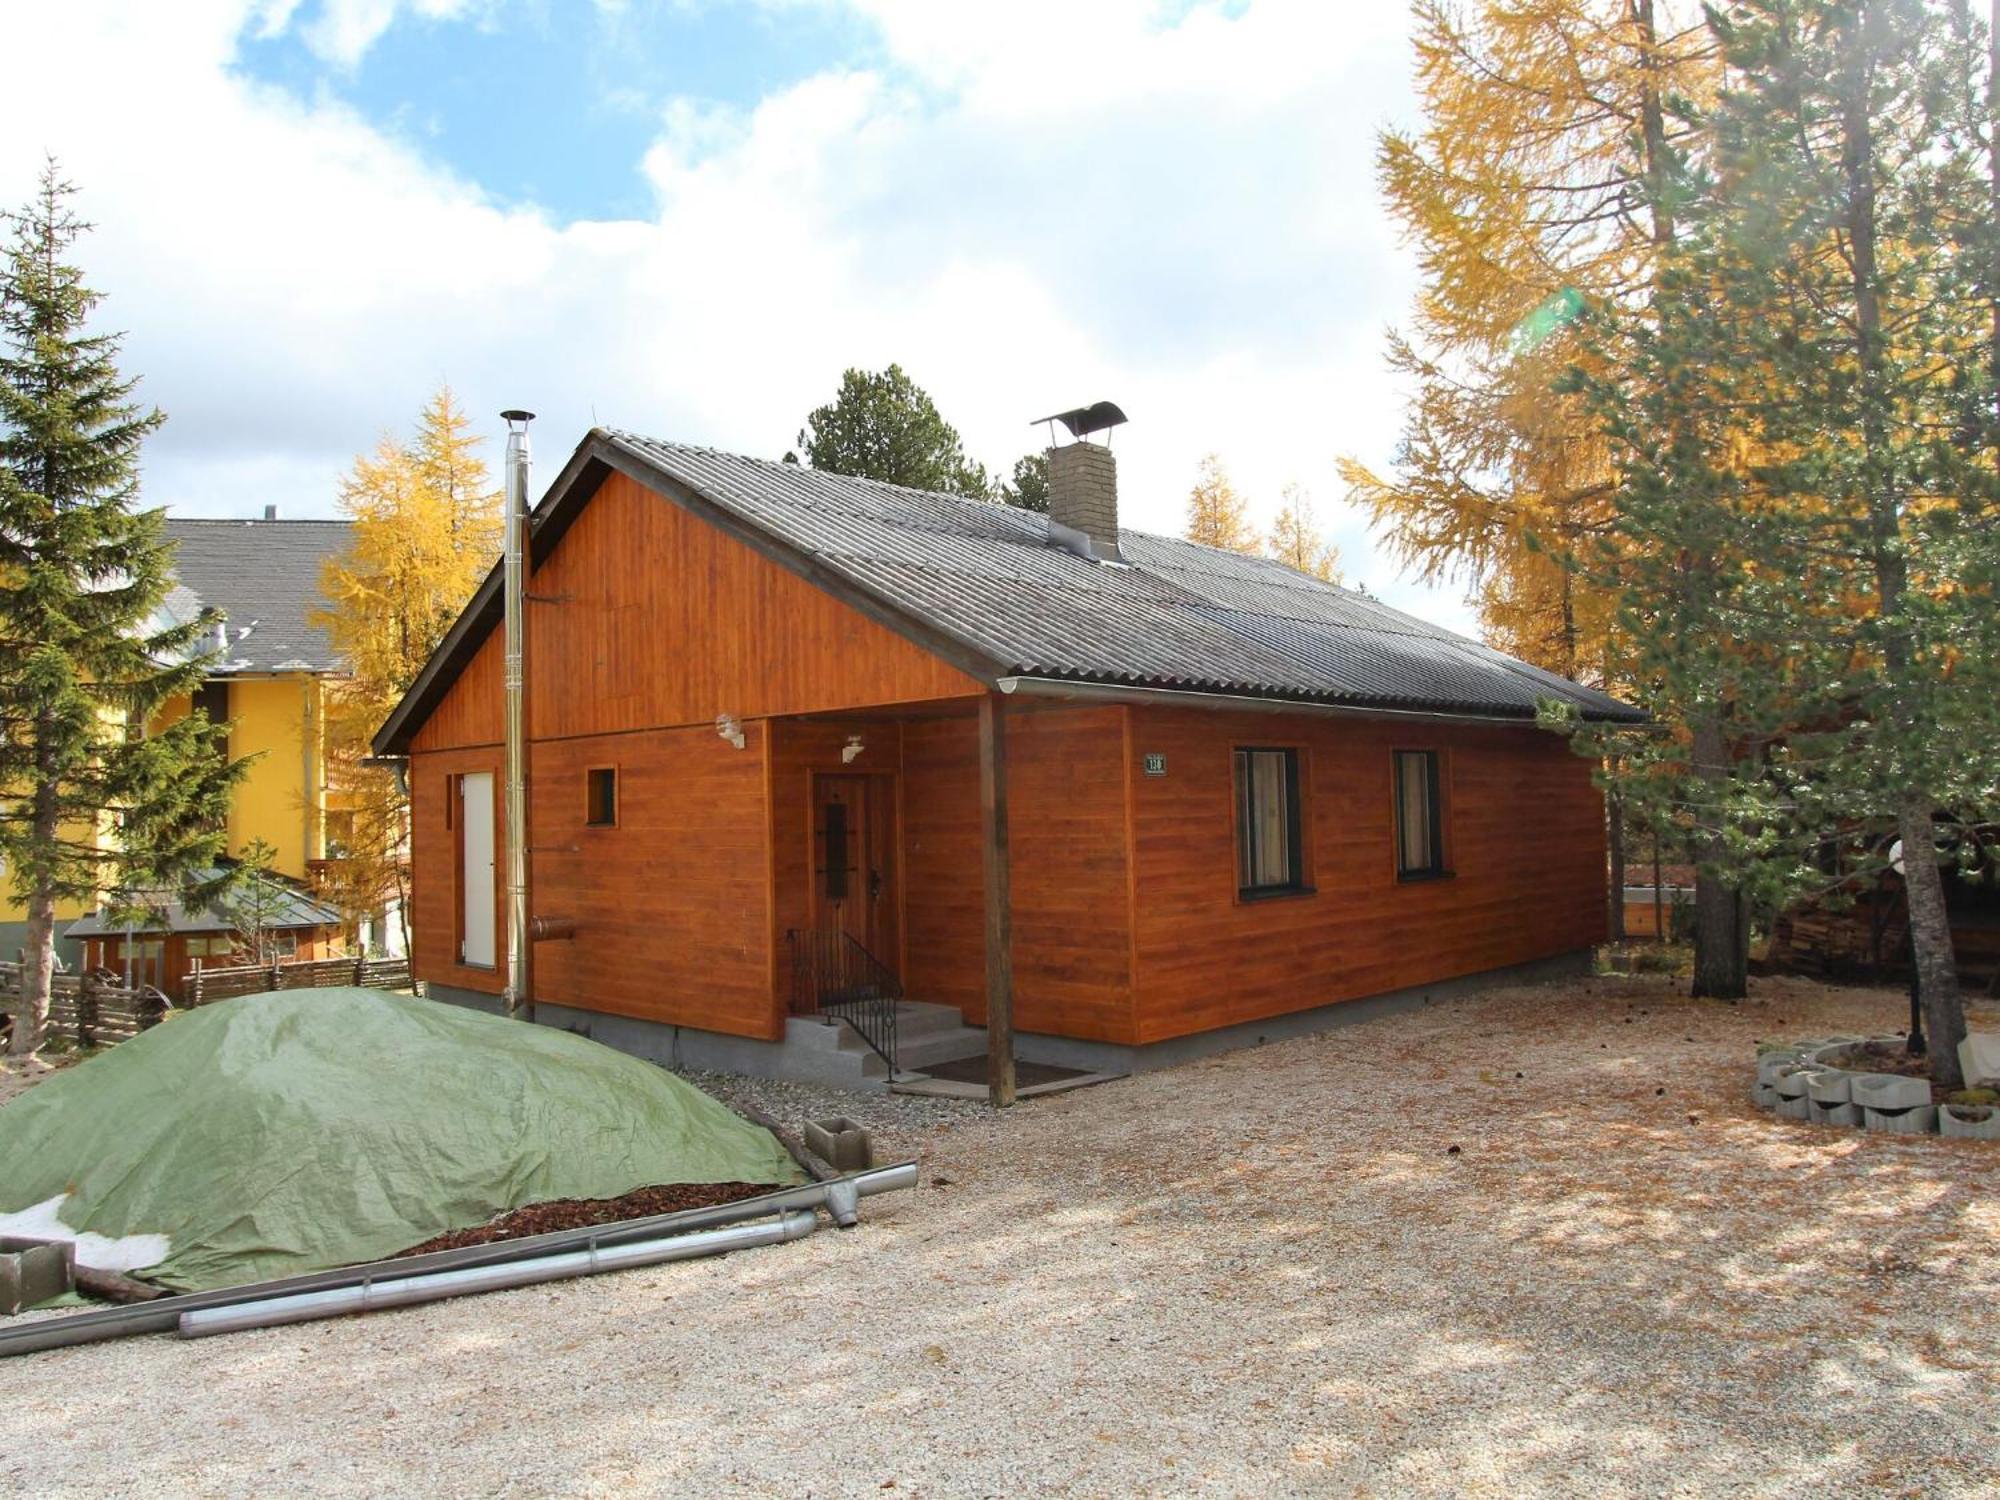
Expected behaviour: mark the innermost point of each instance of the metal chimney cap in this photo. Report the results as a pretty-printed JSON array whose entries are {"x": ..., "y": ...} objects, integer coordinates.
[
  {"x": 517, "y": 415},
  {"x": 1084, "y": 420}
]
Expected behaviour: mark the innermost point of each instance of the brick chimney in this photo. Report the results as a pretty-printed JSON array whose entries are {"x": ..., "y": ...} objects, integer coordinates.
[
  {"x": 1083, "y": 483},
  {"x": 1083, "y": 498}
]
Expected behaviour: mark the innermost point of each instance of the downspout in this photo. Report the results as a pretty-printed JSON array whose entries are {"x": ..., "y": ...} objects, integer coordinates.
[
  {"x": 519, "y": 1001},
  {"x": 307, "y": 735}
]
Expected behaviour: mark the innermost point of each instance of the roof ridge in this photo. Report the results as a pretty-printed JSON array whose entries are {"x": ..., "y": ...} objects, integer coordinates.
[{"x": 627, "y": 435}]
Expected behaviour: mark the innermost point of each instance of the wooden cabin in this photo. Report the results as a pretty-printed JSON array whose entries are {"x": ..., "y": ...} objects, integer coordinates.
[
  {"x": 164, "y": 945},
  {"x": 1154, "y": 797}
]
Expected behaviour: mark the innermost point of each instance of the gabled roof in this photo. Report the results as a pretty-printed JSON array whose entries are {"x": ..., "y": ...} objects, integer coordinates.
[
  {"x": 264, "y": 576},
  {"x": 282, "y": 906},
  {"x": 984, "y": 586}
]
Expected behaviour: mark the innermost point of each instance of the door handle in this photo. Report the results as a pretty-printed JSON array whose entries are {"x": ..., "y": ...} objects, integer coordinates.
[{"x": 874, "y": 885}]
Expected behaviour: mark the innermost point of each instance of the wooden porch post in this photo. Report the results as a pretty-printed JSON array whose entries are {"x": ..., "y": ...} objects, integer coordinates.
[{"x": 999, "y": 912}]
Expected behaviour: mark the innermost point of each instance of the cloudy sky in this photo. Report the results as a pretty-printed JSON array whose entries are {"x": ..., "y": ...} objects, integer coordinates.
[{"x": 687, "y": 217}]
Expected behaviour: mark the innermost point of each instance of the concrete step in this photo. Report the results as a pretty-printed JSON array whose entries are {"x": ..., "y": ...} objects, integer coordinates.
[
  {"x": 940, "y": 1047},
  {"x": 945, "y": 1088},
  {"x": 822, "y": 1034},
  {"x": 918, "y": 1019}
]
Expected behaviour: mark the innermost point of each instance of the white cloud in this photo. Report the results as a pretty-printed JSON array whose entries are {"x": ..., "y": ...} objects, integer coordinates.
[
  {"x": 1025, "y": 209},
  {"x": 342, "y": 31}
]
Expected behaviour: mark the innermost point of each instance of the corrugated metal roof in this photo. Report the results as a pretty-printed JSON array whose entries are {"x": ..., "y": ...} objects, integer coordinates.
[
  {"x": 1175, "y": 615},
  {"x": 264, "y": 576}
]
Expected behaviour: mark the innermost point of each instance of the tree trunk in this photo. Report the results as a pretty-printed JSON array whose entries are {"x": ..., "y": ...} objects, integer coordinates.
[
  {"x": 38, "y": 961},
  {"x": 1993, "y": 198},
  {"x": 1930, "y": 925},
  {"x": 31, "y": 1021},
  {"x": 1930, "y": 942},
  {"x": 1659, "y": 899},
  {"x": 1721, "y": 954},
  {"x": 1614, "y": 818}
]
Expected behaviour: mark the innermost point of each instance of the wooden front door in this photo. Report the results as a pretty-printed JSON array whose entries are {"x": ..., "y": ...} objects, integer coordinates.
[{"x": 854, "y": 861}]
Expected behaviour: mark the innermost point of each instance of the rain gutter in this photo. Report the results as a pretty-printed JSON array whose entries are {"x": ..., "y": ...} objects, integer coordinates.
[{"x": 1101, "y": 692}]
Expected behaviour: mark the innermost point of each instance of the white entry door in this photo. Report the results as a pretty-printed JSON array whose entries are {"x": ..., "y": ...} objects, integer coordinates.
[{"x": 475, "y": 873}]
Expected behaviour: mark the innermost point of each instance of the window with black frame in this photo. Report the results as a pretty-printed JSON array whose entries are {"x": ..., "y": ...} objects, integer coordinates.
[
  {"x": 1268, "y": 858},
  {"x": 1419, "y": 816}
]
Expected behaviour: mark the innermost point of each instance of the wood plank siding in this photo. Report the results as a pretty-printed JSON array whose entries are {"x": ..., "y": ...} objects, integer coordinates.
[
  {"x": 649, "y": 617},
  {"x": 1071, "y": 893},
  {"x": 1128, "y": 925},
  {"x": 1523, "y": 838},
  {"x": 650, "y": 624},
  {"x": 1137, "y": 933}
]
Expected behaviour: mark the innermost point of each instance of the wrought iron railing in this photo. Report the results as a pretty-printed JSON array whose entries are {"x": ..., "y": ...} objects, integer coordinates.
[{"x": 834, "y": 975}]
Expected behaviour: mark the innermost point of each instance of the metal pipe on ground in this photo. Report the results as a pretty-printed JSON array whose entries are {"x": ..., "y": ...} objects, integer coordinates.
[
  {"x": 408, "y": 1291},
  {"x": 163, "y": 1315}
]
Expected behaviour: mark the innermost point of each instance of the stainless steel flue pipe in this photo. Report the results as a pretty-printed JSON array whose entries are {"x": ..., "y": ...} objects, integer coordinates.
[{"x": 515, "y": 579}]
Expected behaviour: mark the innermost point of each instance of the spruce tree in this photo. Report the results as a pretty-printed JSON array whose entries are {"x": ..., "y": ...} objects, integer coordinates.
[{"x": 94, "y": 799}]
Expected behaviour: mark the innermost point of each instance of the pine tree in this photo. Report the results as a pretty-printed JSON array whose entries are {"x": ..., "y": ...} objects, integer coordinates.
[
  {"x": 427, "y": 523},
  {"x": 1029, "y": 488},
  {"x": 1807, "y": 430},
  {"x": 885, "y": 426},
  {"x": 93, "y": 804},
  {"x": 1216, "y": 515},
  {"x": 1295, "y": 539}
]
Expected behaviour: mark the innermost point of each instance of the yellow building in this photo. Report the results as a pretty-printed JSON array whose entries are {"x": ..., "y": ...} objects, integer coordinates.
[{"x": 270, "y": 680}]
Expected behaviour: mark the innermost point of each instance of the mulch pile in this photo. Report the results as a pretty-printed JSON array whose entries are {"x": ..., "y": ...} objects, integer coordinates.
[{"x": 576, "y": 1213}]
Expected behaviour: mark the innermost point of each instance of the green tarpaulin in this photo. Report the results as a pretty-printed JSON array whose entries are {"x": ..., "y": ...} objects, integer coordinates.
[{"x": 299, "y": 1130}]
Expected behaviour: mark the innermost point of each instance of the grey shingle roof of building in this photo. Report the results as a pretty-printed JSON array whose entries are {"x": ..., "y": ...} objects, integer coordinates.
[
  {"x": 264, "y": 575},
  {"x": 1179, "y": 615},
  {"x": 282, "y": 907},
  {"x": 988, "y": 581}
]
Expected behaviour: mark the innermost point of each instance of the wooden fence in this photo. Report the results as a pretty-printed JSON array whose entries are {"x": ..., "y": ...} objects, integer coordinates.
[
  {"x": 204, "y": 986},
  {"x": 92, "y": 1008}
]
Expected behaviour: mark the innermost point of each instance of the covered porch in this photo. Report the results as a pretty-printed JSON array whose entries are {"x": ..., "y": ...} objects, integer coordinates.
[{"x": 902, "y": 910}]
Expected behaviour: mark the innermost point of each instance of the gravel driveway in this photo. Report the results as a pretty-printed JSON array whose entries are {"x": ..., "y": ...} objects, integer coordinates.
[{"x": 1263, "y": 1274}]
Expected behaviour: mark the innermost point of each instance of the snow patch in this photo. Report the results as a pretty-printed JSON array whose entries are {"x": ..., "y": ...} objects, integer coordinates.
[{"x": 132, "y": 1252}]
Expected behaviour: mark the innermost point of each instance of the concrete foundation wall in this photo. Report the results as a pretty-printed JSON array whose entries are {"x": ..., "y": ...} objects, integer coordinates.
[
  {"x": 670, "y": 1046},
  {"x": 1100, "y": 1057},
  {"x": 690, "y": 1047}
]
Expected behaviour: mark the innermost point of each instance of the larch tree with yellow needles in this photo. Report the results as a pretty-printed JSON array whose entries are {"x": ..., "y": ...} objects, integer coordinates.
[
  {"x": 1524, "y": 196},
  {"x": 1217, "y": 516},
  {"x": 1295, "y": 538},
  {"x": 427, "y": 522}
]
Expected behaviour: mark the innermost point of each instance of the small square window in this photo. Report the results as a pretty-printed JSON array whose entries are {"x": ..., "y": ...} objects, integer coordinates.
[
  {"x": 601, "y": 797},
  {"x": 1419, "y": 816},
  {"x": 1267, "y": 822}
]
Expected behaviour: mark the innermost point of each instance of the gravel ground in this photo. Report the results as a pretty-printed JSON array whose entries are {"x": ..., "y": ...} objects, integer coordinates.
[
  {"x": 18, "y": 1077},
  {"x": 1261, "y": 1274},
  {"x": 900, "y": 1125}
]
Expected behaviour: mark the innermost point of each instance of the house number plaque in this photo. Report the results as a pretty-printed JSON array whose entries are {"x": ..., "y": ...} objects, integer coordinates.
[{"x": 1156, "y": 765}]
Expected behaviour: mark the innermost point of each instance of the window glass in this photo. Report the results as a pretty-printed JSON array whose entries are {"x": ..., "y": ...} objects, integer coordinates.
[
  {"x": 836, "y": 851},
  {"x": 1267, "y": 820},
  {"x": 1419, "y": 837}
]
